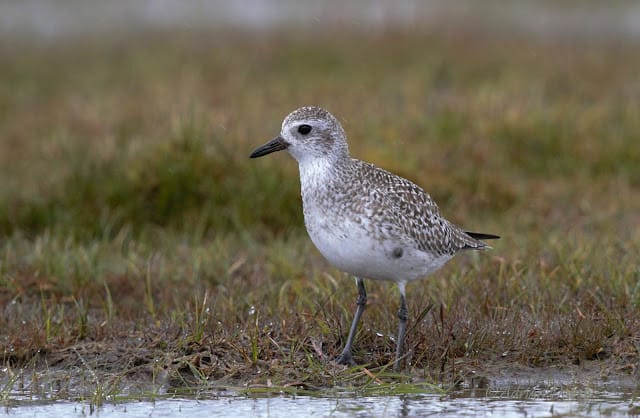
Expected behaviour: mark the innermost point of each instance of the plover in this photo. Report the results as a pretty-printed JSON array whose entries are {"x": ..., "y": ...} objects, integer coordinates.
[{"x": 365, "y": 220}]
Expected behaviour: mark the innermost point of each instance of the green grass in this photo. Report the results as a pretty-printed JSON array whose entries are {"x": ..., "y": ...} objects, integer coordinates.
[{"x": 135, "y": 230}]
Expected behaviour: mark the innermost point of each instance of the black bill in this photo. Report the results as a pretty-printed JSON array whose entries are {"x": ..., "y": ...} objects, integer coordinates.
[{"x": 276, "y": 144}]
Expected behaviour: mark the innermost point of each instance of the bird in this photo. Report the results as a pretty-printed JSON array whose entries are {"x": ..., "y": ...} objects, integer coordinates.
[{"x": 364, "y": 220}]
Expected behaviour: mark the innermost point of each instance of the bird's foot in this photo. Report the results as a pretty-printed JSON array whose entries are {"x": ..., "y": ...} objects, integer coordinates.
[
  {"x": 396, "y": 366},
  {"x": 345, "y": 358}
]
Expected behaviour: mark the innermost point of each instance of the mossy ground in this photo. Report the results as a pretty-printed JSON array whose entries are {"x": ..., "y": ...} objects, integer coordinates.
[{"x": 140, "y": 243}]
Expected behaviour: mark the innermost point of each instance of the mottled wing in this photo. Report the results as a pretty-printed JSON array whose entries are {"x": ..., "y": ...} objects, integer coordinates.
[{"x": 411, "y": 212}]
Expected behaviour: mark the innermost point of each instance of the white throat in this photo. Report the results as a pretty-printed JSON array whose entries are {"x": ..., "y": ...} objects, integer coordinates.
[{"x": 314, "y": 172}]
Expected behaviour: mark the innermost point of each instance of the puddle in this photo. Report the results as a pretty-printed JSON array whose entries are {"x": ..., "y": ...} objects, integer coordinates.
[
  {"x": 516, "y": 403},
  {"x": 516, "y": 391}
]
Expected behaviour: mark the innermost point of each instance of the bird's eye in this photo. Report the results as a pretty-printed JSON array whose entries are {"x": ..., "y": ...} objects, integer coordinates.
[{"x": 304, "y": 129}]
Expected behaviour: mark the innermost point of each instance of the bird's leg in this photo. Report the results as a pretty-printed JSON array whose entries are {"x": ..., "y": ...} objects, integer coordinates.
[
  {"x": 345, "y": 357},
  {"x": 402, "y": 316}
]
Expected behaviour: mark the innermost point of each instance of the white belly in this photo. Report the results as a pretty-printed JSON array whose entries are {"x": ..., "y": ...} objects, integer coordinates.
[{"x": 348, "y": 246}]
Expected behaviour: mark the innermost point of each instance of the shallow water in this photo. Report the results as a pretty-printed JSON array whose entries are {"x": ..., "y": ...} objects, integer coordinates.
[{"x": 463, "y": 404}]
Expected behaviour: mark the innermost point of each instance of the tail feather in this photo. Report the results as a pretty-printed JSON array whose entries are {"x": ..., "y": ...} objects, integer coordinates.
[
  {"x": 475, "y": 242},
  {"x": 478, "y": 235}
]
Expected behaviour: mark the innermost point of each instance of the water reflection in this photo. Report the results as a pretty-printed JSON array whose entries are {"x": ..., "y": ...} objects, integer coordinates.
[{"x": 495, "y": 405}]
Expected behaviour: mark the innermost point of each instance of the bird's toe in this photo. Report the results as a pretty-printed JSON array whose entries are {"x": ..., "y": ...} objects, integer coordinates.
[{"x": 345, "y": 358}]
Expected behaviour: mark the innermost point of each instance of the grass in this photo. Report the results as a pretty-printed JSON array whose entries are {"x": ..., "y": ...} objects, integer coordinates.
[{"x": 138, "y": 243}]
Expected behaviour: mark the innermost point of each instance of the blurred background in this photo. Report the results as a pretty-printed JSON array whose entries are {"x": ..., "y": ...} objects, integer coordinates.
[
  {"x": 461, "y": 90},
  {"x": 54, "y": 20}
]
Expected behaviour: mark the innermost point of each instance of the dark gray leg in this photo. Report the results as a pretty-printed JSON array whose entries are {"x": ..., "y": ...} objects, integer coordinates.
[
  {"x": 402, "y": 316},
  {"x": 345, "y": 357}
]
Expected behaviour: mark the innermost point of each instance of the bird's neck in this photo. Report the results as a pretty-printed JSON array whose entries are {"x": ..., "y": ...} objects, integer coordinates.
[{"x": 317, "y": 173}]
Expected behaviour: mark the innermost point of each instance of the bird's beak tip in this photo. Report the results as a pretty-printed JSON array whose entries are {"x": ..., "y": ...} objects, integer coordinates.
[{"x": 276, "y": 144}]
